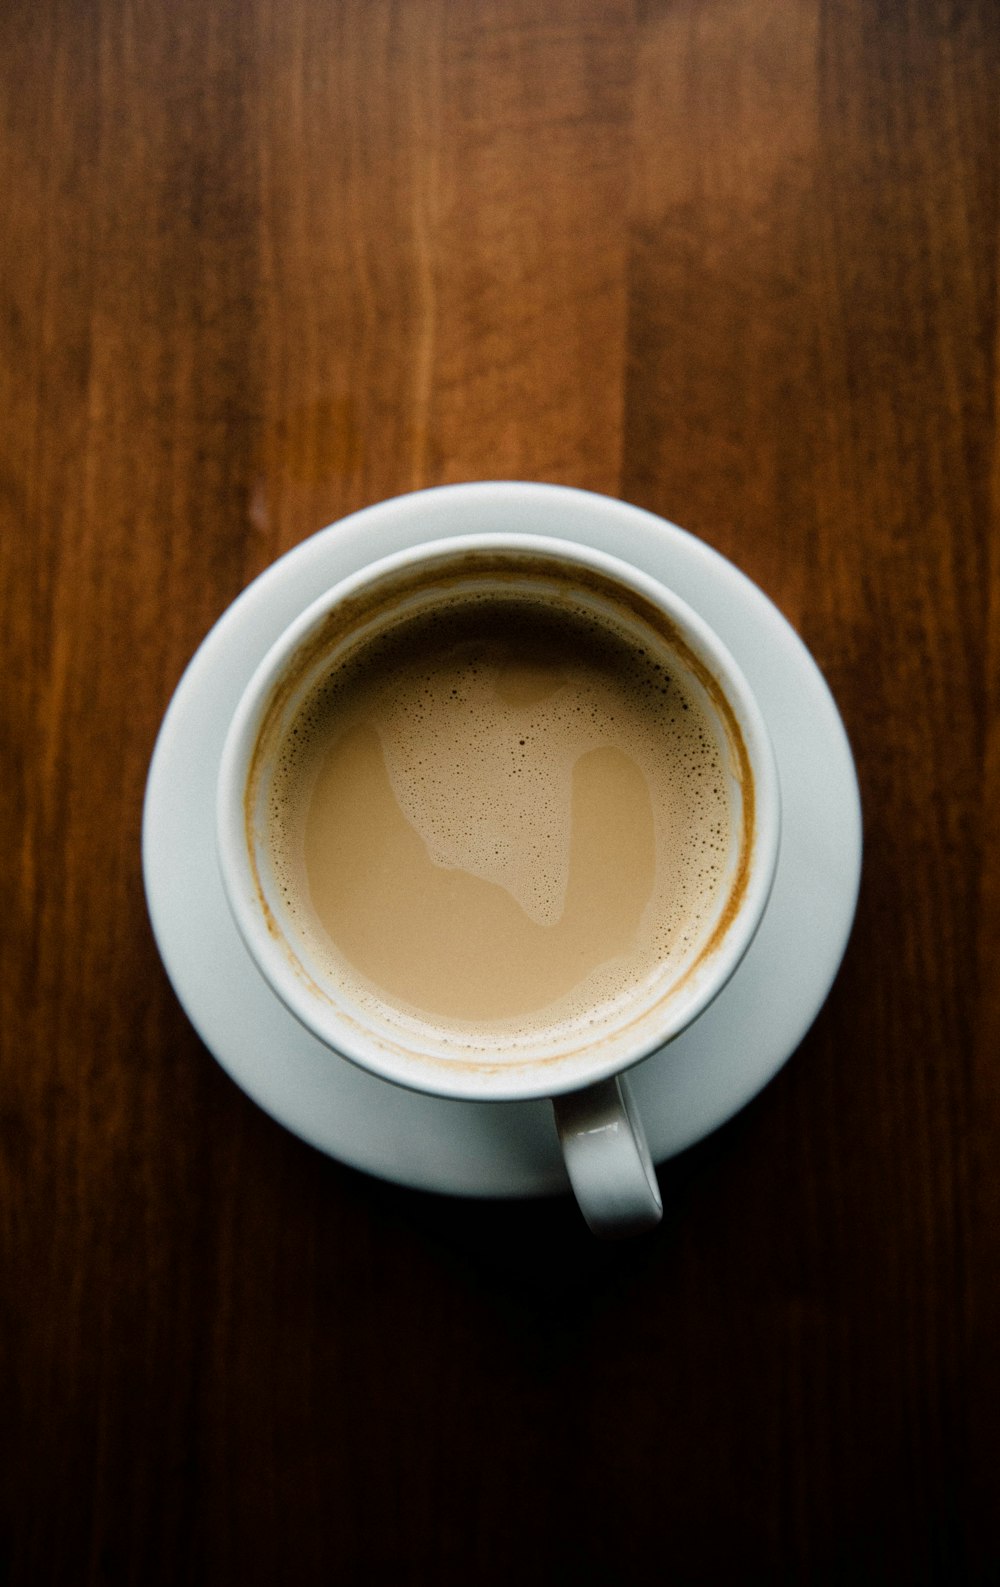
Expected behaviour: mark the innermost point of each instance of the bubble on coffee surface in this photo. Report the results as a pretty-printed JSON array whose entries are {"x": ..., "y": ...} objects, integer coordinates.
[{"x": 532, "y": 752}]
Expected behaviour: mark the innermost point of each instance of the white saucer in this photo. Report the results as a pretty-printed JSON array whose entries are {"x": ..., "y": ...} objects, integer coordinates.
[{"x": 684, "y": 1091}]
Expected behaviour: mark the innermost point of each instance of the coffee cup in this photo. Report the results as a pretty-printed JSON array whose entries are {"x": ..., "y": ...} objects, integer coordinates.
[{"x": 498, "y": 818}]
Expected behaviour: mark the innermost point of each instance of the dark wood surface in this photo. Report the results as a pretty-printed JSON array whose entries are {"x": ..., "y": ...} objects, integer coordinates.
[{"x": 262, "y": 264}]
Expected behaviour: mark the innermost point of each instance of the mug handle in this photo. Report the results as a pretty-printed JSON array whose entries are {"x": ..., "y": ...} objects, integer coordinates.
[{"x": 608, "y": 1159}]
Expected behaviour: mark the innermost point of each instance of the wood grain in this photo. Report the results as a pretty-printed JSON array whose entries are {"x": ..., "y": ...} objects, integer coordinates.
[{"x": 261, "y": 264}]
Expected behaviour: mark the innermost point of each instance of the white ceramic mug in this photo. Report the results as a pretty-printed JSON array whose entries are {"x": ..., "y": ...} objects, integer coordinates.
[{"x": 607, "y": 1159}]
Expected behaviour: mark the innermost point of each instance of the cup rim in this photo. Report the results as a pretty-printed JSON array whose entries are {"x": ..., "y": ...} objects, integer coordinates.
[{"x": 514, "y": 1078}]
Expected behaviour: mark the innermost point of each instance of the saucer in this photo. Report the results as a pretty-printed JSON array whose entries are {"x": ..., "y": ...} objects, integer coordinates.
[{"x": 684, "y": 1091}]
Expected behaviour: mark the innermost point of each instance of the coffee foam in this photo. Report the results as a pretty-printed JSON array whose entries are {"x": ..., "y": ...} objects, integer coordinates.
[{"x": 493, "y": 730}]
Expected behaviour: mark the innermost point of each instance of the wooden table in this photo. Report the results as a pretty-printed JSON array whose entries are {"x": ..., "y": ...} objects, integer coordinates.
[{"x": 265, "y": 263}]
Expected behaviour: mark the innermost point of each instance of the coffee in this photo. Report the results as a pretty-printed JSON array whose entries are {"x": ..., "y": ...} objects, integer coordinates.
[{"x": 505, "y": 818}]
